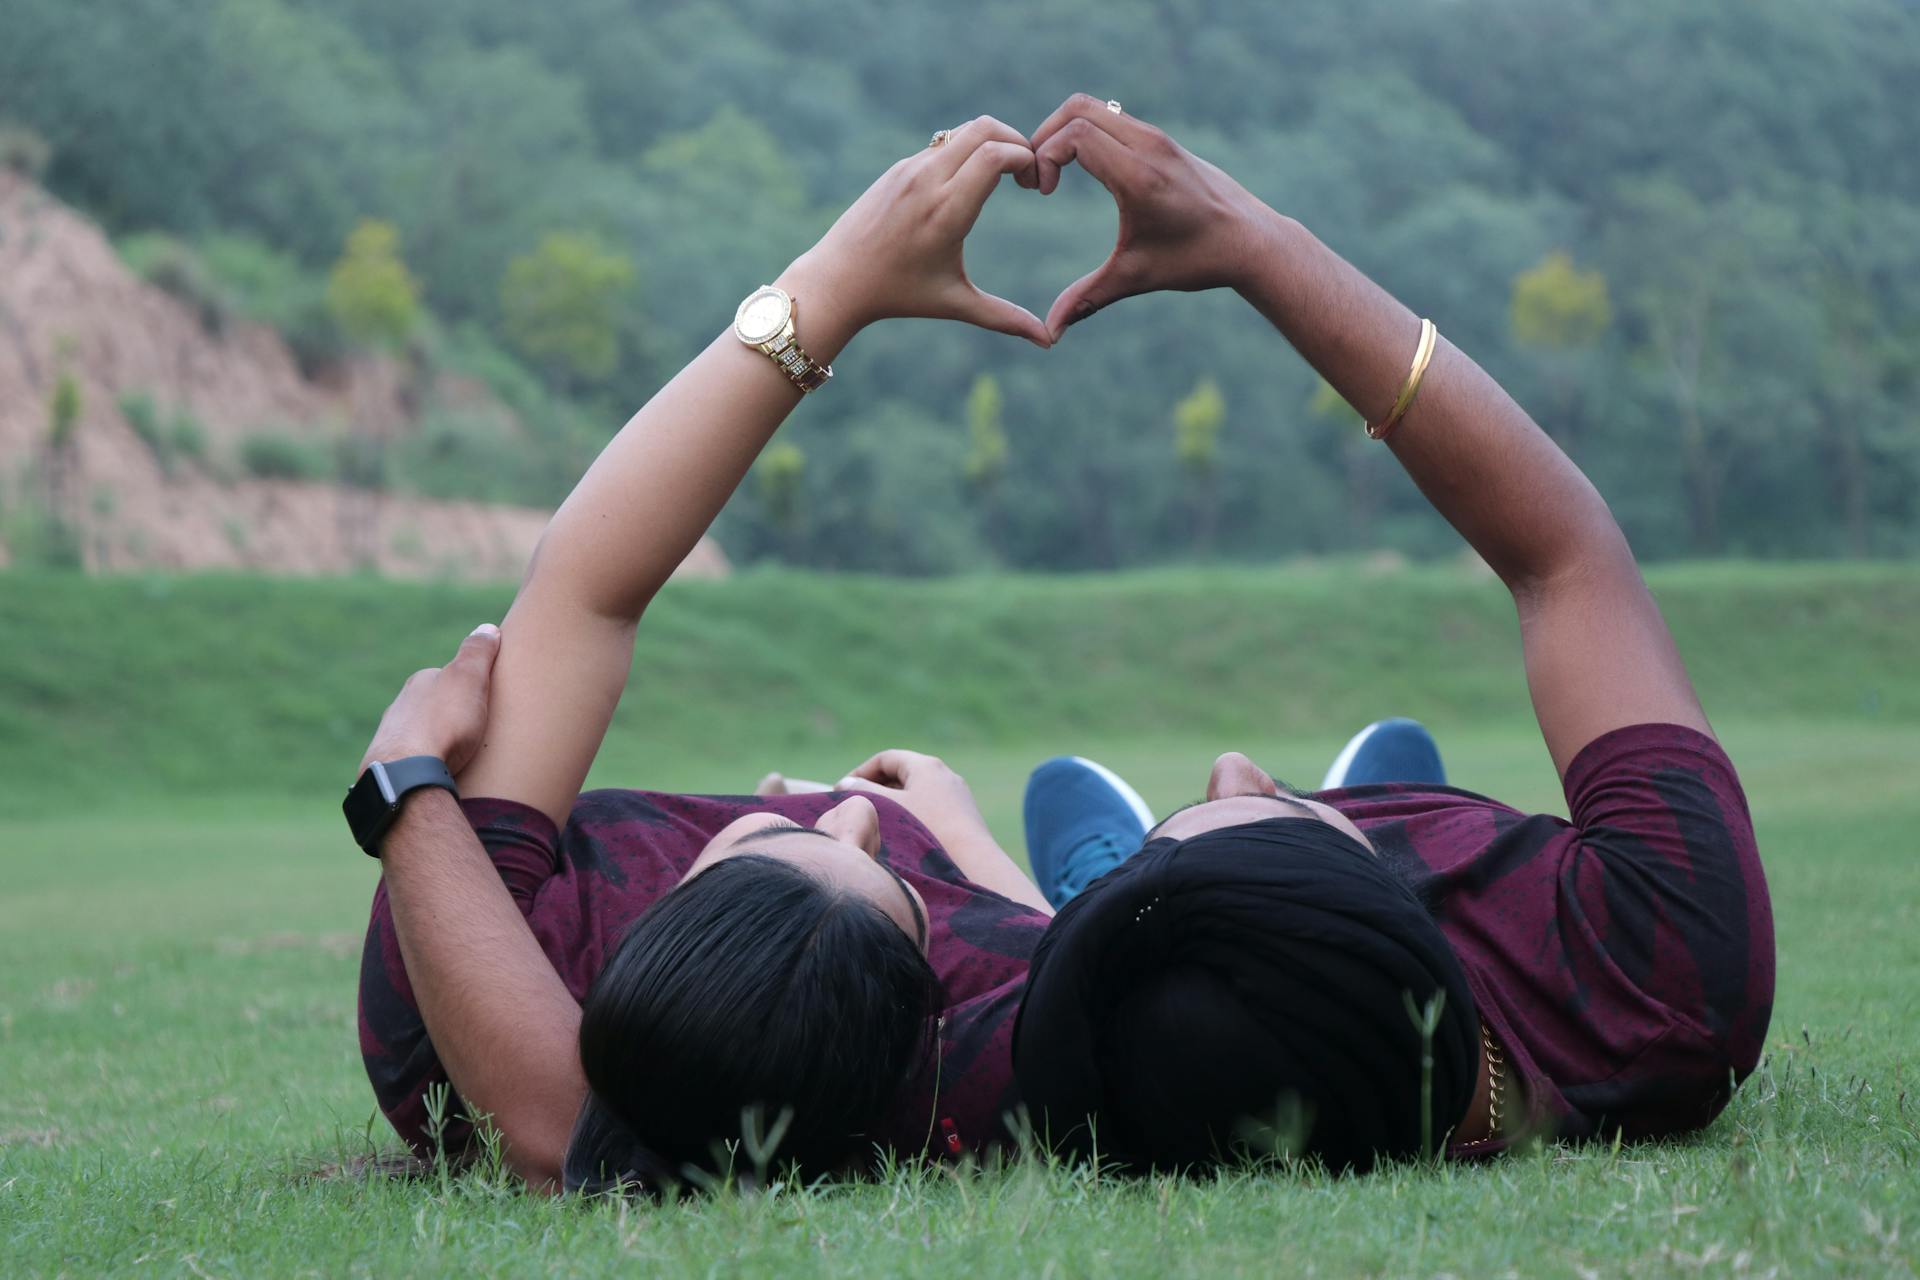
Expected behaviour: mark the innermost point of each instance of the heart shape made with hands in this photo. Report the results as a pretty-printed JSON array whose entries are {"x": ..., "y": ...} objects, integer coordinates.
[{"x": 1182, "y": 220}]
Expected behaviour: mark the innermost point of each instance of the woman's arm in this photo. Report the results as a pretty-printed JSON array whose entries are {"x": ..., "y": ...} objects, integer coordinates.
[
  {"x": 568, "y": 639},
  {"x": 501, "y": 1021},
  {"x": 1598, "y": 654}
]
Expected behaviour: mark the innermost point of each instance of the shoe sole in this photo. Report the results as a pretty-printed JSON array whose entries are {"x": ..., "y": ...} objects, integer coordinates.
[{"x": 1125, "y": 792}]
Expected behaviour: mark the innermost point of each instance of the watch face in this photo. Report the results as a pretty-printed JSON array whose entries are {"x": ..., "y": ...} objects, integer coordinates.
[{"x": 762, "y": 316}]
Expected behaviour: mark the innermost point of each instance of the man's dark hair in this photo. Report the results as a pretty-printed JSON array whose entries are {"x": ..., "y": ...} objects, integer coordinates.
[
  {"x": 753, "y": 990},
  {"x": 1246, "y": 990}
]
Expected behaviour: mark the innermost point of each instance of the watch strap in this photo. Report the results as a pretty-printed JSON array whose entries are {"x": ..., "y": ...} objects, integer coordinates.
[
  {"x": 801, "y": 369},
  {"x": 375, "y": 800}
]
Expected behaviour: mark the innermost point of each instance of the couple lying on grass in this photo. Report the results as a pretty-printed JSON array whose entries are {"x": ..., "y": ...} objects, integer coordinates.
[{"x": 625, "y": 982}]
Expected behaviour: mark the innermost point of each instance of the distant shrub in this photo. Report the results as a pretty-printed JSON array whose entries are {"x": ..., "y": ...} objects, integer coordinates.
[
  {"x": 63, "y": 412},
  {"x": 274, "y": 288},
  {"x": 278, "y": 455},
  {"x": 143, "y": 416},
  {"x": 360, "y": 461},
  {"x": 24, "y": 151},
  {"x": 180, "y": 437},
  {"x": 187, "y": 436},
  {"x": 171, "y": 265},
  {"x": 369, "y": 291},
  {"x": 477, "y": 457},
  {"x": 39, "y": 539}
]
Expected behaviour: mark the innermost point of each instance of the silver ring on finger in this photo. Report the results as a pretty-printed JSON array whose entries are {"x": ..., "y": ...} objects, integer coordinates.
[
  {"x": 939, "y": 138},
  {"x": 1113, "y": 105}
]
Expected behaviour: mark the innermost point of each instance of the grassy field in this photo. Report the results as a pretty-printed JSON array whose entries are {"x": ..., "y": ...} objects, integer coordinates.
[{"x": 180, "y": 915}]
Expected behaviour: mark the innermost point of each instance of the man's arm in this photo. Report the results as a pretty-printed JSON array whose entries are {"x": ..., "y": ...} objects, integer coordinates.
[
  {"x": 655, "y": 489},
  {"x": 502, "y": 1023},
  {"x": 1598, "y": 654}
]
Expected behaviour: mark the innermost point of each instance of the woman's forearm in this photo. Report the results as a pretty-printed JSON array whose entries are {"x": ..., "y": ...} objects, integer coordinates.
[
  {"x": 657, "y": 486},
  {"x": 1496, "y": 477}
]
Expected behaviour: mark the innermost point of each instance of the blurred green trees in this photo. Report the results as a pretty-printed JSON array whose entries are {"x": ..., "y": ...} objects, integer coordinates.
[
  {"x": 1727, "y": 345},
  {"x": 372, "y": 296},
  {"x": 562, "y": 304}
]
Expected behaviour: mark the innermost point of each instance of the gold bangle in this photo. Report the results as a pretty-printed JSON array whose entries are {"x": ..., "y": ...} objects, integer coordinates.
[{"x": 1422, "y": 355}]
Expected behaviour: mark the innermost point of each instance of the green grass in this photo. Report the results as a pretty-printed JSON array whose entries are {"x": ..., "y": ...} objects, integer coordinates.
[{"x": 180, "y": 916}]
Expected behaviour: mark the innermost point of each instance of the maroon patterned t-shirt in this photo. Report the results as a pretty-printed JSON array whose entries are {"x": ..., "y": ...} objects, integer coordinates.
[
  {"x": 621, "y": 852},
  {"x": 1624, "y": 959}
]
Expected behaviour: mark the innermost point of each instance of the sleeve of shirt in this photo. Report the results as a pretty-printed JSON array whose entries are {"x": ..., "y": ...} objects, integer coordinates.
[
  {"x": 408, "y": 1081},
  {"x": 1667, "y": 924}
]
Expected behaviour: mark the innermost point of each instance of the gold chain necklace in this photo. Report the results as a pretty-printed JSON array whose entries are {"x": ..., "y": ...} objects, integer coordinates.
[{"x": 1496, "y": 1081}]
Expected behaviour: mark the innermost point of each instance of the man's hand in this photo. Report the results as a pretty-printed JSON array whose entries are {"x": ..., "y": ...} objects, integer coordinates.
[
  {"x": 926, "y": 787},
  {"x": 1184, "y": 224},
  {"x": 441, "y": 711}
]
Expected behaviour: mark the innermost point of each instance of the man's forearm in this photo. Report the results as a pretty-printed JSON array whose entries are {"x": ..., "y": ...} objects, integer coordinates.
[
  {"x": 1513, "y": 495},
  {"x": 501, "y": 1021}
]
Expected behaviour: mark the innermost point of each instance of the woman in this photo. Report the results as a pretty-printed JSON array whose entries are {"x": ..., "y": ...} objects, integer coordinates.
[{"x": 793, "y": 955}]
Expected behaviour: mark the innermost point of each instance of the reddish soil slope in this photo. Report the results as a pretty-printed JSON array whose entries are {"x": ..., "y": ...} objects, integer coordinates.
[{"x": 69, "y": 306}]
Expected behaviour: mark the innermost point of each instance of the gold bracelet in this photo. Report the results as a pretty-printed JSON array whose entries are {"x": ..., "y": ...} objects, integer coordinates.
[{"x": 1422, "y": 355}]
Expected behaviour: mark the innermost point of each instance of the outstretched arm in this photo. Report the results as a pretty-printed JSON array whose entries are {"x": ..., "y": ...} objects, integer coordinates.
[
  {"x": 1598, "y": 654},
  {"x": 568, "y": 640}
]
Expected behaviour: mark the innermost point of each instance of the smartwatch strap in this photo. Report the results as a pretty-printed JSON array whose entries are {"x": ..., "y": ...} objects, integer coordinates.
[{"x": 375, "y": 800}]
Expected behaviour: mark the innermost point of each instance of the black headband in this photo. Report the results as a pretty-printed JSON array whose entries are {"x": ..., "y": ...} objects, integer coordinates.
[{"x": 1207, "y": 982}]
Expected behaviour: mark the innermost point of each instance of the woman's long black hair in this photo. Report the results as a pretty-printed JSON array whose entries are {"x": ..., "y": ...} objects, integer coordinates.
[{"x": 753, "y": 990}]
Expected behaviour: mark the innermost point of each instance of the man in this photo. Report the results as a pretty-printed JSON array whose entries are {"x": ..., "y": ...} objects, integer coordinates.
[{"x": 1391, "y": 963}]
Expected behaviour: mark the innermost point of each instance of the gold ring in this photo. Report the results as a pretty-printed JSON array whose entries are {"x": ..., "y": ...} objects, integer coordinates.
[
  {"x": 1113, "y": 105},
  {"x": 939, "y": 138}
]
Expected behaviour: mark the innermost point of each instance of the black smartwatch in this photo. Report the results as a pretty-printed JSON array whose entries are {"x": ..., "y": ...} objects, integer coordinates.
[{"x": 374, "y": 802}]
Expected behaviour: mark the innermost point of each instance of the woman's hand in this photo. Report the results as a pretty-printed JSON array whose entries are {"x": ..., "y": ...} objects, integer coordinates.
[
  {"x": 1184, "y": 224},
  {"x": 897, "y": 250},
  {"x": 928, "y": 788}
]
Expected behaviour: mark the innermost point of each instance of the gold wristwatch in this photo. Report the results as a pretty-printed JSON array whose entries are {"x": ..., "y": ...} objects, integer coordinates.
[{"x": 765, "y": 320}]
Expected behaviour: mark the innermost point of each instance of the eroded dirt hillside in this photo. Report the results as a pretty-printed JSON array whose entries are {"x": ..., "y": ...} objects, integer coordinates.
[{"x": 70, "y": 308}]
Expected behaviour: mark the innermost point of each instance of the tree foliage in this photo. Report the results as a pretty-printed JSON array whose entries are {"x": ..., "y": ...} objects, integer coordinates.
[
  {"x": 1726, "y": 345},
  {"x": 372, "y": 296},
  {"x": 562, "y": 303},
  {"x": 1558, "y": 306}
]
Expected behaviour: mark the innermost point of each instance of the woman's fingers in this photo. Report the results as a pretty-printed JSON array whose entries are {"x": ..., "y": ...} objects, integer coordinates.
[
  {"x": 960, "y": 145},
  {"x": 890, "y": 767},
  {"x": 974, "y": 306},
  {"x": 975, "y": 180}
]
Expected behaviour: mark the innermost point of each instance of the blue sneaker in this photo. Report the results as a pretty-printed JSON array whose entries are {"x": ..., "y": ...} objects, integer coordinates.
[
  {"x": 1082, "y": 821},
  {"x": 1398, "y": 750}
]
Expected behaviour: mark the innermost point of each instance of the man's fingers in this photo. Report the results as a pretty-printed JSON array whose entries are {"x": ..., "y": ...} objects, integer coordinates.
[
  {"x": 984, "y": 309},
  {"x": 477, "y": 652},
  {"x": 1088, "y": 109},
  {"x": 1097, "y": 151},
  {"x": 1097, "y": 289},
  {"x": 976, "y": 179}
]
